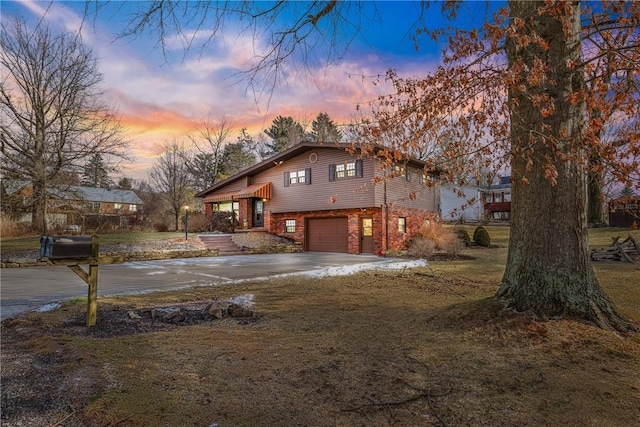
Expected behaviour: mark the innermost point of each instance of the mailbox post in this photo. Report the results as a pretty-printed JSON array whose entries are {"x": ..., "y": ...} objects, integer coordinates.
[{"x": 73, "y": 251}]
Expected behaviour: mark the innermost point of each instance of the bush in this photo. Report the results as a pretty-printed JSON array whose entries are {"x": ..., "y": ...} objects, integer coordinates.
[
  {"x": 481, "y": 237},
  {"x": 161, "y": 227},
  {"x": 444, "y": 238},
  {"x": 421, "y": 247},
  {"x": 223, "y": 222},
  {"x": 198, "y": 222},
  {"x": 12, "y": 228},
  {"x": 453, "y": 245},
  {"x": 463, "y": 235}
]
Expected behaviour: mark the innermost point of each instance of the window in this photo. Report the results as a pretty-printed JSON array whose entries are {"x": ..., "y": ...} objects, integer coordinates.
[
  {"x": 402, "y": 225},
  {"x": 117, "y": 205},
  {"x": 402, "y": 171},
  {"x": 93, "y": 206},
  {"x": 346, "y": 170},
  {"x": 507, "y": 197},
  {"x": 290, "y": 225},
  {"x": 133, "y": 208},
  {"x": 227, "y": 207},
  {"x": 297, "y": 177}
]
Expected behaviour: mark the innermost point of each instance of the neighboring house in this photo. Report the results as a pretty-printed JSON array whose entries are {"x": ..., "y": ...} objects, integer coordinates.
[
  {"x": 461, "y": 203},
  {"x": 324, "y": 198},
  {"x": 77, "y": 208},
  {"x": 624, "y": 211},
  {"x": 497, "y": 200}
]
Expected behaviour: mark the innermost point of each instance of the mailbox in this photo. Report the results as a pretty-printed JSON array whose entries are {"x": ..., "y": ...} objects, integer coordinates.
[{"x": 70, "y": 247}]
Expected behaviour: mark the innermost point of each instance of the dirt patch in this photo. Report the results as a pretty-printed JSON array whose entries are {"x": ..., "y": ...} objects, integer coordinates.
[{"x": 390, "y": 348}]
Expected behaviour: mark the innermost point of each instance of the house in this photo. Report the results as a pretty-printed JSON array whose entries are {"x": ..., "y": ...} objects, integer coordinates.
[
  {"x": 77, "y": 208},
  {"x": 330, "y": 199},
  {"x": 624, "y": 211},
  {"x": 461, "y": 203},
  {"x": 497, "y": 200}
]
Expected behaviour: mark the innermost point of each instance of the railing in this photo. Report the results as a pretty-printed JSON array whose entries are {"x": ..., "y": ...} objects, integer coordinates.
[{"x": 497, "y": 207}]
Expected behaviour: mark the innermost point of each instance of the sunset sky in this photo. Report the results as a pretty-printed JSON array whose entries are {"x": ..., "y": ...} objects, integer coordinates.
[{"x": 161, "y": 97}]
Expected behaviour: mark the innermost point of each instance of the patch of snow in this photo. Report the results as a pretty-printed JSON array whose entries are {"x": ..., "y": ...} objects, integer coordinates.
[
  {"x": 245, "y": 300},
  {"x": 352, "y": 269},
  {"x": 48, "y": 307}
]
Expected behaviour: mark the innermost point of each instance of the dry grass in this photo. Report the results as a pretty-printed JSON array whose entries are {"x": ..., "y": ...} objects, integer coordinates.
[{"x": 424, "y": 347}]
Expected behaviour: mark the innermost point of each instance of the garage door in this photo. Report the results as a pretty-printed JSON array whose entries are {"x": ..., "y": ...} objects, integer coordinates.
[{"x": 327, "y": 235}]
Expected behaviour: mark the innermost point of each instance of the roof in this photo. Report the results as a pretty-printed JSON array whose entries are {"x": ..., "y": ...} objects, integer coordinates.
[
  {"x": 76, "y": 192},
  {"x": 92, "y": 194},
  {"x": 286, "y": 155}
]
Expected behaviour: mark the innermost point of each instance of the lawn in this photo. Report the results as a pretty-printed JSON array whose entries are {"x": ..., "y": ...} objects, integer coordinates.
[
  {"x": 420, "y": 347},
  {"x": 33, "y": 242}
]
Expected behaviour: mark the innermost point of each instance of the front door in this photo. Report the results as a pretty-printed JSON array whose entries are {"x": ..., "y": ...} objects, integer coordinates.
[
  {"x": 258, "y": 213},
  {"x": 366, "y": 235}
]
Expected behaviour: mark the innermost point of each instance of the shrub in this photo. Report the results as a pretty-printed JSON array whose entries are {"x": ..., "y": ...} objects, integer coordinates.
[
  {"x": 198, "y": 222},
  {"x": 421, "y": 247},
  {"x": 453, "y": 245},
  {"x": 223, "y": 222},
  {"x": 9, "y": 228},
  {"x": 481, "y": 237},
  {"x": 444, "y": 238},
  {"x": 161, "y": 227},
  {"x": 463, "y": 235}
]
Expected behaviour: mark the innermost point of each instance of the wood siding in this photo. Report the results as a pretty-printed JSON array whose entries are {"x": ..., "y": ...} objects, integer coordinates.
[
  {"x": 411, "y": 193},
  {"x": 320, "y": 194}
]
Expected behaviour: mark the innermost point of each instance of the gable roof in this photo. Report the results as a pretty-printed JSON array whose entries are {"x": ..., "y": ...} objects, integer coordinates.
[
  {"x": 287, "y": 154},
  {"x": 77, "y": 192},
  {"x": 99, "y": 195}
]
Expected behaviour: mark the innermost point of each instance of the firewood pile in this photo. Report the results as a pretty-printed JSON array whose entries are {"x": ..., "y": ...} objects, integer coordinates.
[{"x": 625, "y": 251}]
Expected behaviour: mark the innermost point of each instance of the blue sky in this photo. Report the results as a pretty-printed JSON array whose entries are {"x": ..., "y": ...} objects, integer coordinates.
[{"x": 162, "y": 98}]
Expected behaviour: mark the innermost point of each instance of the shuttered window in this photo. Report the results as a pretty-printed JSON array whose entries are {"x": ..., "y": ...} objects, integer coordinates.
[
  {"x": 346, "y": 170},
  {"x": 297, "y": 177}
]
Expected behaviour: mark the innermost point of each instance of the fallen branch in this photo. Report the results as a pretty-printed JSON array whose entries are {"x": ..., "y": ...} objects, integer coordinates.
[{"x": 425, "y": 394}]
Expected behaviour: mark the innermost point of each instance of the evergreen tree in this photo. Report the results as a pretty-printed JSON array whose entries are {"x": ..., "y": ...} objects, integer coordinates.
[
  {"x": 96, "y": 173},
  {"x": 124, "y": 183},
  {"x": 237, "y": 156},
  {"x": 323, "y": 129},
  {"x": 285, "y": 132},
  {"x": 204, "y": 169}
]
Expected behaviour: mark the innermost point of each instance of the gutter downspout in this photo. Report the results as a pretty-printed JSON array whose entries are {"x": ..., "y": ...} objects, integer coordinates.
[{"x": 386, "y": 214}]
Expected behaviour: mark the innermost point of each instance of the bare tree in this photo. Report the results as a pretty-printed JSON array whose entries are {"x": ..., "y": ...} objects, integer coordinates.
[
  {"x": 205, "y": 167},
  {"x": 171, "y": 179},
  {"x": 52, "y": 116}
]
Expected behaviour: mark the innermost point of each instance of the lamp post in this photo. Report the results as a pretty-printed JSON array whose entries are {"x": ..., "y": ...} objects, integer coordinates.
[{"x": 186, "y": 223}]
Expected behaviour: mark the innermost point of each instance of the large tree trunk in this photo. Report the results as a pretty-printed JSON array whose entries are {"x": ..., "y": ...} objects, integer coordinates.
[
  {"x": 595, "y": 212},
  {"x": 548, "y": 268}
]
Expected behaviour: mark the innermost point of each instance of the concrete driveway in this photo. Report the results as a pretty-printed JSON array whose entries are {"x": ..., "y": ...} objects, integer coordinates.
[{"x": 24, "y": 289}]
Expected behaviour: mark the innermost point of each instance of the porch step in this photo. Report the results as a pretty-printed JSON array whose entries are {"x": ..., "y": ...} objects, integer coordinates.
[{"x": 222, "y": 242}]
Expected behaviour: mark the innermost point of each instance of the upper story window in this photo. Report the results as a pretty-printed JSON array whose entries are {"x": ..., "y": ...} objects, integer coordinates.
[
  {"x": 400, "y": 170},
  {"x": 346, "y": 170},
  {"x": 117, "y": 205},
  {"x": 507, "y": 197},
  {"x": 133, "y": 208},
  {"x": 297, "y": 177}
]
